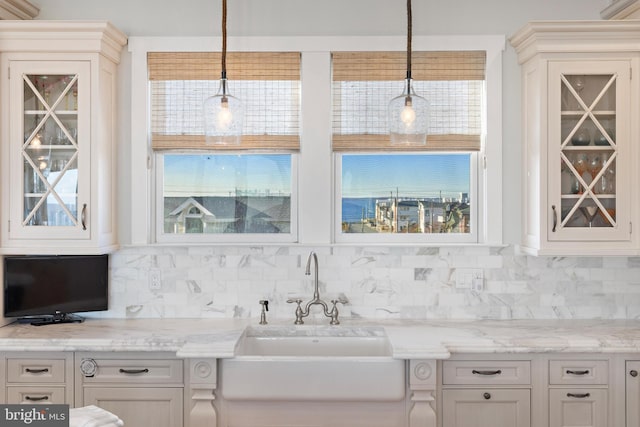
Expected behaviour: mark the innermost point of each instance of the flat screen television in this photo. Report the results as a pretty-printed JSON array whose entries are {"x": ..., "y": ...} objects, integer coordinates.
[{"x": 49, "y": 289}]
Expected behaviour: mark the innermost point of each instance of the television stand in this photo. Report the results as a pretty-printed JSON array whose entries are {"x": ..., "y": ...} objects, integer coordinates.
[{"x": 53, "y": 319}]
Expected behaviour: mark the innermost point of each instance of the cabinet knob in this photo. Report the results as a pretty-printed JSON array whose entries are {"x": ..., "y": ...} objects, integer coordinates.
[
  {"x": 633, "y": 373},
  {"x": 487, "y": 396},
  {"x": 88, "y": 367}
]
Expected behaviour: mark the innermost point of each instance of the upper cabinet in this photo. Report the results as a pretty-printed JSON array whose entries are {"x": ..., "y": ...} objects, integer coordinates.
[
  {"x": 57, "y": 140},
  {"x": 580, "y": 121}
]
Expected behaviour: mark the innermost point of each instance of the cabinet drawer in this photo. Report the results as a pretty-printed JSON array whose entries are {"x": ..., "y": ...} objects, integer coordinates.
[
  {"x": 486, "y": 372},
  {"x": 578, "y": 372},
  {"x": 35, "y": 370},
  {"x": 142, "y": 371},
  {"x": 578, "y": 407},
  {"x": 34, "y": 394}
]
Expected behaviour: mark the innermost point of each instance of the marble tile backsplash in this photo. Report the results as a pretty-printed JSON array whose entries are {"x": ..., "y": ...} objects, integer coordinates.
[{"x": 379, "y": 282}]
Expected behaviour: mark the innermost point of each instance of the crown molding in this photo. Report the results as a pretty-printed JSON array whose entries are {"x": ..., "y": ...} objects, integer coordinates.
[
  {"x": 62, "y": 36},
  {"x": 622, "y": 9},
  {"x": 576, "y": 36},
  {"x": 18, "y": 9}
]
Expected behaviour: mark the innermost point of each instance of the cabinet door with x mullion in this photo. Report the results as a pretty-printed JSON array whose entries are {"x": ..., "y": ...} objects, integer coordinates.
[{"x": 589, "y": 150}]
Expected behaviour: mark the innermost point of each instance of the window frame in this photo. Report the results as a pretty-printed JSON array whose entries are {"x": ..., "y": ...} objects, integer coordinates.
[
  {"x": 315, "y": 181},
  {"x": 413, "y": 238},
  {"x": 158, "y": 219}
]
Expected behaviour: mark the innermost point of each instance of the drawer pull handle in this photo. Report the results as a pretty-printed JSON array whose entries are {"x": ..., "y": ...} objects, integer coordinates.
[
  {"x": 134, "y": 371},
  {"x": 476, "y": 372},
  {"x": 570, "y": 372},
  {"x": 36, "y": 398},
  {"x": 36, "y": 371},
  {"x": 633, "y": 373},
  {"x": 578, "y": 395},
  {"x": 486, "y": 396}
]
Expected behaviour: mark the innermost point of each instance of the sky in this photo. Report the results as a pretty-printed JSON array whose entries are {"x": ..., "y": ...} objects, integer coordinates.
[
  {"x": 221, "y": 174},
  {"x": 363, "y": 175},
  {"x": 411, "y": 175}
]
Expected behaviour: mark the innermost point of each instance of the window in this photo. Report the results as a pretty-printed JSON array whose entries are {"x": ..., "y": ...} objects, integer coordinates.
[
  {"x": 392, "y": 193},
  {"x": 229, "y": 193},
  {"x": 326, "y": 135},
  {"x": 226, "y": 194}
]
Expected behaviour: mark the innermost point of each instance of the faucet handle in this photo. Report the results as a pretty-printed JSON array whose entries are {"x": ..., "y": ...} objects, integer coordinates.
[
  {"x": 334, "y": 312},
  {"x": 341, "y": 300},
  {"x": 299, "y": 313}
]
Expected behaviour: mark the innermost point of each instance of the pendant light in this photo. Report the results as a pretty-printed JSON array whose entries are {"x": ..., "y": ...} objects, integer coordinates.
[
  {"x": 408, "y": 114},
  {"x": 223, "y": 113}
]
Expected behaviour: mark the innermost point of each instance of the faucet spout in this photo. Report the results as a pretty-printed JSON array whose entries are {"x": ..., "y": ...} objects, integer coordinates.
[
  {"x": 307, "y": 271},
  {"x": 300, "y": 312}
]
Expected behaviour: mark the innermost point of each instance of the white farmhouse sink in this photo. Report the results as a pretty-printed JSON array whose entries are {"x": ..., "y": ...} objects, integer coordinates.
[
  {"x": 314, "y": 346},
  {"x": 309, "y": 363}
]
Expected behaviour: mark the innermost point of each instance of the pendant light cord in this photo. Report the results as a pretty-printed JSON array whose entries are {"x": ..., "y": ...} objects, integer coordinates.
[
  {"x": 224, "y": 39},
  {"x": 409, "y": 31}
]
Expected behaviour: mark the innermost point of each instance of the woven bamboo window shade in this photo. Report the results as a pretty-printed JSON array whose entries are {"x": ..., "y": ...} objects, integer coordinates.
[
  {"x": 267, "y": 82},
  {"x": 364, "y": 82}
]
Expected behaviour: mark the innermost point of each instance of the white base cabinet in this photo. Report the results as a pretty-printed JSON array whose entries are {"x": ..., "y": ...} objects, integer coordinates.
[
  {"x": 486, "y": 407},
  {"x": 539, "y": 390},
  {"x": 578, "y": 407},
  {"x": 468, "y": 390},
  {"x": 139, "y": 406},
  {"x": 42, "y": 377},
  {"x": 632, "y": 393},
  {"x": 142, "y": 389}
]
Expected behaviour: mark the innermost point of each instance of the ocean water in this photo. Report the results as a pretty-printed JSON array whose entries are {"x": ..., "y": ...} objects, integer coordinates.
[{"x": 352, "y": 208}]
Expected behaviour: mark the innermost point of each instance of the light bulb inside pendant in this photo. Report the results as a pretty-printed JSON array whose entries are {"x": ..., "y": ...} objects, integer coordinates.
[
  {"x": 225, "y": 117},
  {"x": 408, "y": 114}
]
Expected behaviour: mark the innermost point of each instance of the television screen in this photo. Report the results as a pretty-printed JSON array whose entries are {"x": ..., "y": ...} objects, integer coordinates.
[{"x": 55, "y": 286}]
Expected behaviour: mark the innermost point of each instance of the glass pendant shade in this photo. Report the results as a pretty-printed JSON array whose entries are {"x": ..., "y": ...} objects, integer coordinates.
[
  {"x": 223, "y": 118},
  {"x": 408, "y": 116}
]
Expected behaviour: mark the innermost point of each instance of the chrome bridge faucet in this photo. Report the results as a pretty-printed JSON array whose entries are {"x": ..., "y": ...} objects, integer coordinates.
[{"x": 300, "y": 313}]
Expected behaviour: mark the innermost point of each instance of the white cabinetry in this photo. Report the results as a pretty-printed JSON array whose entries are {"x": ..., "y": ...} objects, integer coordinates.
[
  {"x": 486, "y": 408},
  {"x": 632, "y": 388},
  {"x": 491, "y": 393},
  {"x": 578, "y": 393},
  {"x": 141, "y": 390},
  {"x": 58, "y": 97},
  {"x": 39, "y": 378},
  {"x": 580, "y": 143}
]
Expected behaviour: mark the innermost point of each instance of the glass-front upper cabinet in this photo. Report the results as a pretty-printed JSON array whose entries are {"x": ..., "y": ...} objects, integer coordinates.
[
  {"x": 58, "y": 137},
  {"x": 580, "y": 137},
  {"x": 589, "y": 153},
  {"x": 50, "y": 149},
  {"x": 53, "y": 148}
]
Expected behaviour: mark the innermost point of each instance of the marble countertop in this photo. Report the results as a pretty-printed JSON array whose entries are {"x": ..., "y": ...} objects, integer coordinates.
[{"x": 410, "y": 339}]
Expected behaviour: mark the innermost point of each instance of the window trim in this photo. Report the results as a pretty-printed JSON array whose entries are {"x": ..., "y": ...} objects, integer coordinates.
[{"x": 315, "y": 185}]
